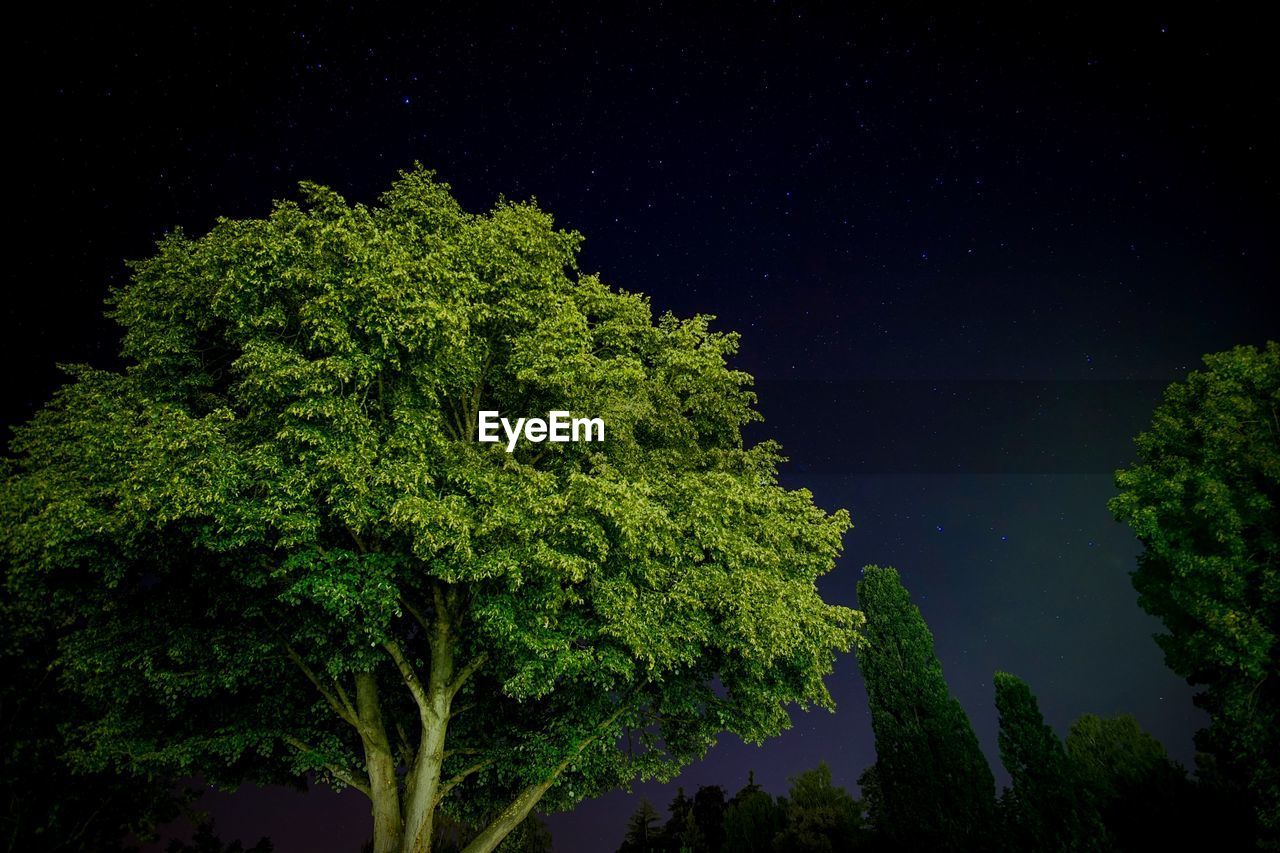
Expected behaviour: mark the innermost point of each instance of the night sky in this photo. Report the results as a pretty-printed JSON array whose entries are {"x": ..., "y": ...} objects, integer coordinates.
[{"x": 965, "y": 253}]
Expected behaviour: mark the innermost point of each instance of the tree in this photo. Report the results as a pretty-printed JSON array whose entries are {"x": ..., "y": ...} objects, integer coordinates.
[
  {"x": 642, "y": 830},
  {"x": 872, "y": 800},
  {"x": 279, "y": 549},
  {"x": 934, "y": 790},
  {"x": 752, "y": 819},
  {"x": 1046, "y": 809},
  {"x": 678, "y": 833},
  {"x": 1203, "y": 497},
  {"x": 820, "y": 817},
  {"x": 1145, "y": 798},
  {"x": 708, "y": 814}
]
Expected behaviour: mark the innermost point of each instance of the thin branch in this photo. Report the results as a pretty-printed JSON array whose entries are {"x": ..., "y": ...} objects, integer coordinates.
[
  {"x": 455, "y": 781},
  {"x": 474, "y": 411},
  {"x": 355, "y": 537},
  {"x": 340, "y": 702},
  {"x": 467, "y": 671},
  {"x": 343, "y": 697},
  {"x": 453, "y": 712},
  {"x": 410, "y": 679},
  {"x": 416, "y": 614},
  {"x": 459, "y": 427},
  {"x": 360, "y": 783},
  {"x": 406, "y": 749}
]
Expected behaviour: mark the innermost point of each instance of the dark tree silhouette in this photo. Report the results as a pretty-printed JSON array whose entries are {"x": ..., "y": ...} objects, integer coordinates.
[
  {"x": 708, "y": 814},
  {"x": 752, "y": 819},
  {"x": 1145, "y": 798},
  {"x": 820, "y": 817},
  {"x": 679, "y": 832},
  {"x": 643, "y": 830},
  {"x": 934, "y": 788},
  {"x": 205, "y": 840},
  {"x": 1046, "y": 809}
]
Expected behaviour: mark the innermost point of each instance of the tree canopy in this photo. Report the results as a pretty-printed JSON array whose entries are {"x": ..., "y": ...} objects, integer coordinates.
[
  {"x": 1204, "y": 499},
  {"x": 275, "y": 548}
]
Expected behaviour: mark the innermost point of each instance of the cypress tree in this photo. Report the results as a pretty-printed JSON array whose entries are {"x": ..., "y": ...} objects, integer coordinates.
[
  {"x": 934, "y": 788},
  {"x": 1046, "y": 809}
]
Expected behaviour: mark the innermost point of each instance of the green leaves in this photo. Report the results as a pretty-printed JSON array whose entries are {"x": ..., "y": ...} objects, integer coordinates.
[
  {"x": 1204, "y": 499},
  {"x": 284, "y": 479}
]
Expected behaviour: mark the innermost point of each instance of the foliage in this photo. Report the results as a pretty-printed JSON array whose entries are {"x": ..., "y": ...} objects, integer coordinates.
[
  {"x": 47, "y": 804},
  {"x": 820, "y": 817},
  {"x": 1143, "y": 796},
  {"x": 934, "y": 789},
  {"x": 752, "y": 819},
  {"x": 679, "y": 833},
  {"x": 708, "y": 816},
  {"x": 1046, "y": 808},
  {"x": 643, "y": 832},
  {"x": 278, "y": 550},
  {"x": 815, "y": 817},
  {"x": 1204, "y": 500}
]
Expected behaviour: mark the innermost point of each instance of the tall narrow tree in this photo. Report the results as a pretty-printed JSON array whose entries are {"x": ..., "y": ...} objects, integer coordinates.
[
  {"x": 935, "y": 790},
  {"x": 1047, "y": 808}
]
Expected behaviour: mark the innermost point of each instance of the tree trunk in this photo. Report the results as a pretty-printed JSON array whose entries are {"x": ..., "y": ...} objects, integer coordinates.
[
  {"x": 423, "y": 785},
  {"x": 383, "y": 785}
]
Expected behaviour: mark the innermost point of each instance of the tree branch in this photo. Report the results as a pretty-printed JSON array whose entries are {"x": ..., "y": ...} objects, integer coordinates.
[
  {"x": 417, "y": 615},
  {"x": 339, "y": 701},
  {"x": 406, "y": 749},
  {"x": 461, "y": 709},
  {"x": 474, "y": 408},
  {"x": 491, "y": 836},
  {"x": 410, "y": 679},
  {"x": 346, "y": 776},
  {"x": 455, "y": 781},
  {"x": 466, "y": 672}
]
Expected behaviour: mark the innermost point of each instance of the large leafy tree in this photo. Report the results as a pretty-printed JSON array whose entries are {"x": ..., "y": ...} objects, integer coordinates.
[
  {"x": 1204, "y": 499},
  {"x": 276, "y": 548},
  {"x": 933, "y": 789},
  {"x": 1047, "y": 808}
]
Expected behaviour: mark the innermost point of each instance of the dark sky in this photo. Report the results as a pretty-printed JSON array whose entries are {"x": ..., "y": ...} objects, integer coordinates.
[{"x": 965, "y": 253}]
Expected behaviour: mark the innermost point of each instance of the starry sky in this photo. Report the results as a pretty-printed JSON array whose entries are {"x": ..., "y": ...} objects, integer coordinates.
[{"x": 965, "y": 252}]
